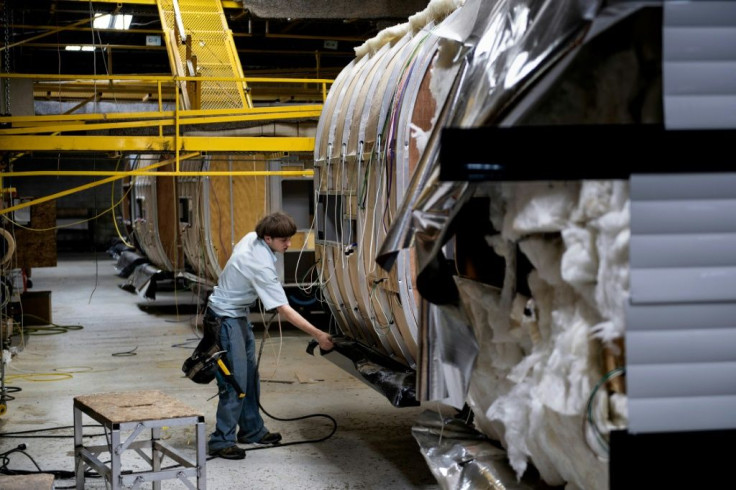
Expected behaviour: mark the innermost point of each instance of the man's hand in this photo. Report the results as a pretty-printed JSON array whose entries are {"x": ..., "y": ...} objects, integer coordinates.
[
  {"x": 325, "y": 341},
  {"x": 292, "y": 316}
]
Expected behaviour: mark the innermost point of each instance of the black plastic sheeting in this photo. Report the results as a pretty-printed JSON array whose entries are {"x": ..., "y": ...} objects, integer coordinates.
[
  {"x": 392, "y": 379},
  {"x": 144, "y": 280},
  {"x": 117, "y": 247},
  {"x": 127, "y": 262}
]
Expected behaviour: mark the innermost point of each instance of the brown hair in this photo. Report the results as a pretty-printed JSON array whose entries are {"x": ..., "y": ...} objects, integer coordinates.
[{"x": 276, "y": 225}]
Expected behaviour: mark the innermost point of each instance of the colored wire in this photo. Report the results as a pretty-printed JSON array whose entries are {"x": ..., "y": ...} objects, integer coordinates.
[
  {"x": 284, "y": 419},
  {"x": 589, "y": 407},
  {"x": 52, "y": 330}
]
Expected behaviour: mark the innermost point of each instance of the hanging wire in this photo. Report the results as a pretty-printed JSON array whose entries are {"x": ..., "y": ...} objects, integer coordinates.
[
  {"x": 284, "y": 419},
  {"x": 589, "y": 419},
  {"x": 114, "y": 205},
  {"x": 6, "y": 56}
]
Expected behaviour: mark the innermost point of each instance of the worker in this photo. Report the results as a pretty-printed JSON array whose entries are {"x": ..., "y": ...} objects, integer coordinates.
[{"x": 250, "y": 274}]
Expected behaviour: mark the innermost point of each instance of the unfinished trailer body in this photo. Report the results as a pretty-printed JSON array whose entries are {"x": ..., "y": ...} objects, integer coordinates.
[
  {"x": 195, "y": 219},
  {"x": 505, "y": 291},
  {"x": 214, "y": 217},
  {"x": 155, "y": 214}
]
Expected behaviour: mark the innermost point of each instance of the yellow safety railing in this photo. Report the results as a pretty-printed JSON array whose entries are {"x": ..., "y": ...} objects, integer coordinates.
[
  {"x": 46, "y": 132},
  {"x": 149, "y": 170},
  {"x": 54, "y": 86},
  {"x": 24, "y": 133}
]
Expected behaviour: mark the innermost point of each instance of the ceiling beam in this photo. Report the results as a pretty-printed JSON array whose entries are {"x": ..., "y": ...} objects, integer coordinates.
[
  {"x": 157, "y": 143},
  {"x": 225, "y": 3}
]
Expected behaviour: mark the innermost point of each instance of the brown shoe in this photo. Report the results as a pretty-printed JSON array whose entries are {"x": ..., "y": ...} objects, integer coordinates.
[
  {"x": 269, "y": 439},
  {"x": 230, "y": 452}
]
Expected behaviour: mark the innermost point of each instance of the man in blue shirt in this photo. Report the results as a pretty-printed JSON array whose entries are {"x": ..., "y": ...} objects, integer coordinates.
[{"x": 250, "y": 274}]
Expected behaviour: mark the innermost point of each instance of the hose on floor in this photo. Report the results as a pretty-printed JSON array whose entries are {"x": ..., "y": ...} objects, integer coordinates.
[
  {"x": 58, "y": 474},
  {"x": 290, "y": 419}
]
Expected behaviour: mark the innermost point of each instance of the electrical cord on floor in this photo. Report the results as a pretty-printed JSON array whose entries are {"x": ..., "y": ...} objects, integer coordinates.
[
  {"x": 24, "y": 433},
  {"x": 58, "y": 474},
  {"x": 304, "y": 441},
  {"x": 64, "y": 474},
  {"x": 290, "y": 419},
  {"x": 52, "y": 329},
  {"x": 4, "y": 397}
]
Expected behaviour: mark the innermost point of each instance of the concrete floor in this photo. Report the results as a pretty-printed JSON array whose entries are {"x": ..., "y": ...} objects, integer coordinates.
[{"x": 110, "y": 340}]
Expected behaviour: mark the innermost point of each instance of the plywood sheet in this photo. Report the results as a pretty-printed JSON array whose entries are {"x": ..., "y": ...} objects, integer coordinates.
[
  {"x": 133, "y": 406},
  {"x": 236, "y": 203},
  {"x": 27, "y": 482},
  {"x": 36, "y": 246}
]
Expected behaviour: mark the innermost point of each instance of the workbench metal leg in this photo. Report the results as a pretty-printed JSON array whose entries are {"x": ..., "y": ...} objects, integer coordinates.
[
  {"x": 78, "y": 444},
  {"x": 201, "y": 456},
  {"x": 156, "y": 455},
  {"x": 115, "y": 459},
  {"x": 111, "y": 410}
]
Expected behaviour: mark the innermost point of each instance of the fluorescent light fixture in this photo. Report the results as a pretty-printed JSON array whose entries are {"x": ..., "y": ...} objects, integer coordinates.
[
  {"x": 79, "y": 48},
  {"x": 118, "y": 21}
]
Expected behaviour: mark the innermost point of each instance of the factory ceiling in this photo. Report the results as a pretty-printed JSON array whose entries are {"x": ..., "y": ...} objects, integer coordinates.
[
  {"x": 44, "y": 39},
  {"x": 299, "y": 38},
  {"x": 92, "y": 46}
]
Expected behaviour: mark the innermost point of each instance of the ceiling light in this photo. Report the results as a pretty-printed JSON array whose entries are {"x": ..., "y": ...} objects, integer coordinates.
[{"x": 117, "y": 21}]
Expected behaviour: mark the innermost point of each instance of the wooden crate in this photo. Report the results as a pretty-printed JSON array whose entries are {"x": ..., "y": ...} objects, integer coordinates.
[{"x": 36, "y": 307}]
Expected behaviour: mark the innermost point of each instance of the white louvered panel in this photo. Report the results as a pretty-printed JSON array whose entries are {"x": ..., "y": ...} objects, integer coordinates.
[
  {"x": 683, "y": 284},
  {"x": 673, "y": 317},
  {"x": 682, "y": 346},
  {"x": 673, "y": 414},
  {"x": 699, "y": 64},
  {"x": 653, "y": 187},
  {"x": 681, "y": 317},
  {"x": 699, "y": 250},
  {"x": 682, "y": 379},
  {"x": 706, "y": 215}
]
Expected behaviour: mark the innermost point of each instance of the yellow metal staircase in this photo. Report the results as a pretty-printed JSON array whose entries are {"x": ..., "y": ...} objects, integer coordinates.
[{"x": 200, "y": 44}]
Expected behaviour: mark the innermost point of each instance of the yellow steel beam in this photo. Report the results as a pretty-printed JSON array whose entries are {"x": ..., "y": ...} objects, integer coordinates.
[
  {"x": 228, "y": 4},
  {"x": 46, "y": 76},
  {"x": 24, "y": 142},
  {"x": 304, "y": 95},
  {"x": 159, "y": 173},
  {"x": 158, "y": 122},
  {"x": 80, "y": 188},
  {"x": 95, "y": 97},
  {"x": 164, "y": 78},
  {"x": 176, "y": 132},
  {"x": 157, "y": 143},
  {"x": 145, "y": 171},
  {"x": 184, "y": 115},
  {"x": 143, "y": 87},
  {"x": 120, "y": 82},
  {"x": 355, "y": 39}
]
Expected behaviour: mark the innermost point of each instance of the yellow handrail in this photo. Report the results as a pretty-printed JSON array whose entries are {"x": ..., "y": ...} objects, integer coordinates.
[{"x": 57, "y": 195}]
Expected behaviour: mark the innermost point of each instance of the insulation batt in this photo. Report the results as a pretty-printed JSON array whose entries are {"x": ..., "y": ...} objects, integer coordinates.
[
  {"x": 435, "y": 12},
  {"x": 540, "y": 357}
]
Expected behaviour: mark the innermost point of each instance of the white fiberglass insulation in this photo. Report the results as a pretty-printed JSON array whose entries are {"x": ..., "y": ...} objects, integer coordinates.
[
  {"x": 540, "y": 357},
  {"x": 435, "y": 12}
]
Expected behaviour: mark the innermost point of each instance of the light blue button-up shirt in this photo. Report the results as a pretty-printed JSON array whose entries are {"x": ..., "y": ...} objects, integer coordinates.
[{"x": 249, "y": 274}]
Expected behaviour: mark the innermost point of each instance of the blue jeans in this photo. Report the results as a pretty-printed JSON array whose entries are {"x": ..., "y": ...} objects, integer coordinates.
[{"x": 238, "y": 418}]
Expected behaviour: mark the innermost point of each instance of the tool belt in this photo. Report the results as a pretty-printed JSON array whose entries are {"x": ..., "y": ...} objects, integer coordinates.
[{"x": 202, "y": 365}]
